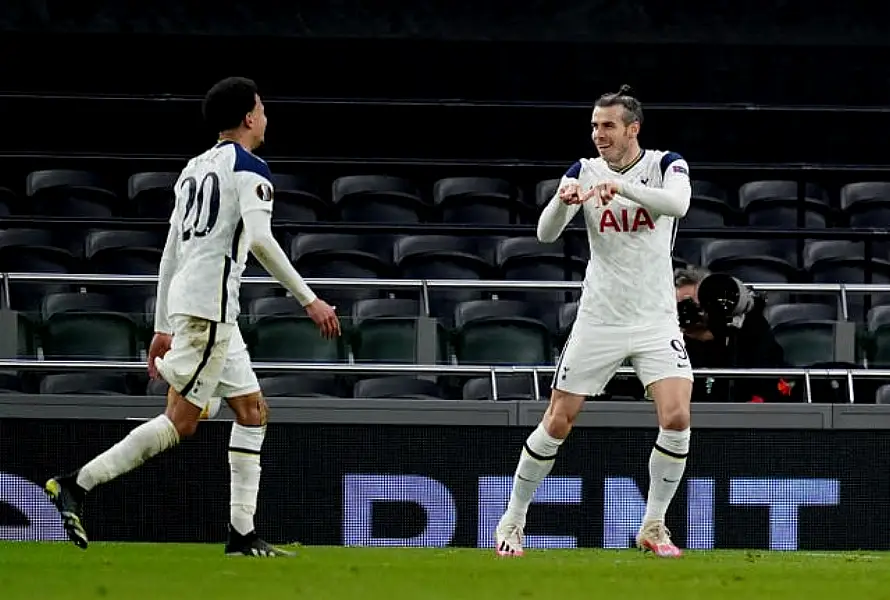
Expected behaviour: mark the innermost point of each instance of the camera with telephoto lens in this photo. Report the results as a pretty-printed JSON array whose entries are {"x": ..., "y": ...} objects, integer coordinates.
[{"x": 722, "y": 300}]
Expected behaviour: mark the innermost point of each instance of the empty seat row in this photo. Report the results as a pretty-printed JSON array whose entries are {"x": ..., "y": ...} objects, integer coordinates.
[
  {"x": 384, "y": 198},
  {"x": 377, "y": 256},
  {"x": 489, "y": 257},
  {"x": 361, "y": 198},
  {"x": 74, "y": 326},
  {"x": 778, "y": 204}
]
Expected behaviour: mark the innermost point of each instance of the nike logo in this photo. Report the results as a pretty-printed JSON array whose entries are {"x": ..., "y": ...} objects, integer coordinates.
[
  {"x": 682, "y": 365},
  {"x": 666, "y": 480}
]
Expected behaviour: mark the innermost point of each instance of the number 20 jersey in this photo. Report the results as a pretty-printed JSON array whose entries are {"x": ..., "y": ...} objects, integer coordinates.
[{"x": 212, "y": 193}]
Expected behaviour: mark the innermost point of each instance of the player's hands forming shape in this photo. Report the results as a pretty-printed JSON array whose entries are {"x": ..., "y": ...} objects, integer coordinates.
[
  {"x": 570, "y": 194},
  {"x": 160, "y": 344},
  {"x": 325, "y": 317},
  {"x": 601, "y": 193}
]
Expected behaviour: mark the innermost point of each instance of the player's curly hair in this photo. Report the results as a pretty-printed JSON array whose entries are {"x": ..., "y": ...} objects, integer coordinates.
[
  {"x": 633, "y": 110},
  {"x": 227, "y": 103}
]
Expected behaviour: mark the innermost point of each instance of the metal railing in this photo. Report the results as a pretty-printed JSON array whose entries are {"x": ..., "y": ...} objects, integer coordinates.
[
  {"x": 492, "y": 371},
  {"x": 425, "y": 285}
]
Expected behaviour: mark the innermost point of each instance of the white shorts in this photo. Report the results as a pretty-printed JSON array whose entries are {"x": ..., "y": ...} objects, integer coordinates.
[
  {"x": 207, "y": 360},
  {"x": 593, "y": 354}
]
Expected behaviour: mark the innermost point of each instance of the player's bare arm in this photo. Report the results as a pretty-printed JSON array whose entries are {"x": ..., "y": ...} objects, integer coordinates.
[{"x": 263, "y": 245}]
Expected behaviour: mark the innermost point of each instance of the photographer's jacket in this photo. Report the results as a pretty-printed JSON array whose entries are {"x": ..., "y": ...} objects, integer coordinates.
[{"x": 750, "y": 346}]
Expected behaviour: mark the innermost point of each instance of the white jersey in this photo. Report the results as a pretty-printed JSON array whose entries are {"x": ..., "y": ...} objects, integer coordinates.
[
  {"x": 629, "y": 278},
  {"x": 212, "y": 193}
]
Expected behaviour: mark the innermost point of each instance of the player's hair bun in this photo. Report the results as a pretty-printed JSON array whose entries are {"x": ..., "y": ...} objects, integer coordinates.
[{"x": 625, "y": 90}]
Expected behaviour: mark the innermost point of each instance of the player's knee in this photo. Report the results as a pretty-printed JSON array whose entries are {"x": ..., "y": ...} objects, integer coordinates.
[
  {"x": 675, "y": 417},
  {"x": 183, "y": 414},
  {"x": 672, "y": 397},
  {"x": 250, "y": 409},
  {"x": 561, "y": 415}
]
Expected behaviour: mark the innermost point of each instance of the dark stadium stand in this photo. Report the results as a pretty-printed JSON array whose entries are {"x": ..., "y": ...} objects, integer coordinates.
[{"x": 455, "y": 211}]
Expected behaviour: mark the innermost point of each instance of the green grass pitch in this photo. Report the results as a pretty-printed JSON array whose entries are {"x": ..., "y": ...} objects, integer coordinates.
[{"x": 57, "y": 571}]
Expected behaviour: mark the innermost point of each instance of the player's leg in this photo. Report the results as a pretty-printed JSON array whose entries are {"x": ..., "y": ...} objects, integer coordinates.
[
  {"x": 239, "y": 385},
  {"x": 192, "y": 367},
  {"x": 588, "y": 361},
  {"x": 663, "y": 367}
]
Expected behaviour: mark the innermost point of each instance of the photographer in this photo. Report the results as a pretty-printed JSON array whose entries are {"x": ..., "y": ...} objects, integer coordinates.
[{"x": 724, "y": 327}]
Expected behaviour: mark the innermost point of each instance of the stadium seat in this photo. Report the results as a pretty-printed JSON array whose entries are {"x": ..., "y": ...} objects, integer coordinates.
[
  {"x": 34, "y": 251},
  {"x": 882, "y": 396},
  {"x": 70, "y": 193},
  {"x": 699, "y": 215},
  {"x": 397, "y": 387},
  {"x": 751, "y": 261},
  {"x": 92, "y": 383},
  {"x": 10, "y": 383},
  {"x": 775, "y": 204},
  {"x": 527, "y": 259},
  {"x": 800, "y": 311},
  {"x": 378, "y": 199},
  {"x": 500, "y": 332},
  {"x": 124, "y": 252},
  {"x": 565, "y": 319},
  {"x": 279, "y": 330},
  {"x": 386, "y": 331},
  {"x": 157, "y": 387},
  {"x": 805, "y": 331},
  {"x": 331, "y": 255},
  {"x": 78, "y": 326},
  {"x": 301, "y": 386},
  {"x": 866, "y": 203},
  {"x": 9, "y": 202},
  {"x": 510, "y": 387},
  {"x": 253, "y": 291},
  {"x": 342, "y": 255},
  {"x": 708, "y": 207},
  {"x": 688, "y": 249},
  {"x": 152, "y": 195},
  {"x": 478, "y": 201},
  {"x": 830, "y": 261},
  {"x": 298, "y": 199},
  {"x": 443, "y": 257},
  {"x": 709, "y": 192},
  {"x": 878, "y": 331}
]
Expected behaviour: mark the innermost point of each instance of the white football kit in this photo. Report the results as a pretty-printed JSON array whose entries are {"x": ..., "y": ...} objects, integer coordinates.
[
  {"x": 208, "y": 357},
  {"x": 628, "y": 307}
]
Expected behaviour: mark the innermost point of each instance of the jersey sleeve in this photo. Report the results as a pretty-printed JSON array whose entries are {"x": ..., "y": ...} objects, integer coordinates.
[
  {"x": 174, "y": 212},
  {"x": 674, "y": 169},
  {"x": 573, "y": 172},
  {"x": 557, "y": 214},
  {"x": 253, "y": 180}
]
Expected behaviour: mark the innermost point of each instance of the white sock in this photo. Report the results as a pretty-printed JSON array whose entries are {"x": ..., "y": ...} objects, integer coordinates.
[
  {"x": 666, "y": 465},
  {"x": 535, "y": 462},
  {"x": 142, "y": 443},
  {"x": 245, "y": 444}
]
